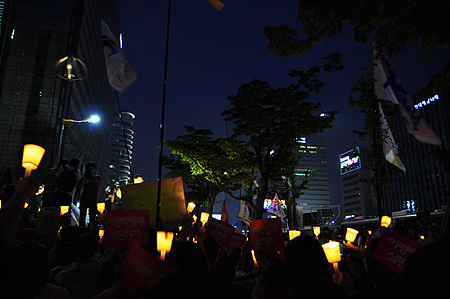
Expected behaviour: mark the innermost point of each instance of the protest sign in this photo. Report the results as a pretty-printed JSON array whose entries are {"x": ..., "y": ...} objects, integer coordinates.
[
  {"x": 237, "y": 240},
  {"x": 143, "y": 196},
  {"x": 142, "y": 270},
  {"x": 124, "y": 225},
  {"x": 394, "y": 249},
  {"x": 219, "y": 230},
  {"x": 267, "y": 235}
]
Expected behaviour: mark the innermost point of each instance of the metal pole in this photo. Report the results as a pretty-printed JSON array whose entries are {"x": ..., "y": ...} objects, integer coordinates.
[{"x": 161, "y": 126}]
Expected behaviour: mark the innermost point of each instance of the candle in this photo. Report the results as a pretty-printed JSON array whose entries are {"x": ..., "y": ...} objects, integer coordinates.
[
  {"x": 385, "y": 221},
  {"x": 351, "y": 234},
  {"x": 64, "y": 209},
  {"x": 190, "y": 207},
  {"x": 204, "y": 218},
  {"x": 101, "y": 207},
  {"x": 32, "y": 156},
  {"x": 293, "y": 234},
  {"x": 332, "y": 251},
  {"x": 164, "y": 242},
  {"x": 316, "y": 231}
]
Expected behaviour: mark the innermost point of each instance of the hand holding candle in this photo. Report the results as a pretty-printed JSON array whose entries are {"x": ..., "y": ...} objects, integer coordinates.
[
  {"x": 190, "y": 207},
  {"x": 204, "y": 218}
]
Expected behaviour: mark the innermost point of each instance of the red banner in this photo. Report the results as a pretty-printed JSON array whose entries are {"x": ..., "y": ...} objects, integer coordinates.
[
  {"x": 143, "y": 271},
  {"x": 124, "y": 225},
  {"x": 394, "y": 249},
  {"x": 237, "y": 240},
  {"x": 267, "y": 235},
  {"x": 219, "y": 230}
]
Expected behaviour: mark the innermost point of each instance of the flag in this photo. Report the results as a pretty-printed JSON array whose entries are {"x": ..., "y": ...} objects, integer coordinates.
[
  {"x": 225, "y": 217},
  {"x": 389, "y": 145},
  {"x": 119, "y": 72},
  {"x": 389, "y": 88},
  {"x": 275, "y": 207},
  {"x": 218, "y": 5},
  {"x": 245, "y": 213}
]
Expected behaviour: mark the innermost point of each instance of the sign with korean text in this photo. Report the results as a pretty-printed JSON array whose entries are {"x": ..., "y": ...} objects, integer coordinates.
[
  {"x": 219, "y": 230},
  {"x": 394, "y": 250},
  {"x": 124, "y": 225},
  {"x": 237, "y": 240},
  {"x": 267, "y": 235}
]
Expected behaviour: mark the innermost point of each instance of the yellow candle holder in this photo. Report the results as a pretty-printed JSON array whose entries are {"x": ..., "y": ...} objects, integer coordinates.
[
  {"x": 32, "y": 156},
  {"x": 164, "y": 242}
]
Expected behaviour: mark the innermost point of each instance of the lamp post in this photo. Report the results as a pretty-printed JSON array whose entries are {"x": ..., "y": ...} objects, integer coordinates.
[
  {"x": 93, "y": 119},
  {"x": 68, "y": 75}
]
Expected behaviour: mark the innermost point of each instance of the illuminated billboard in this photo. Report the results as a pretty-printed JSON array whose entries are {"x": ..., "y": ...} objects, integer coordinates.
[{"x": 350, "y": 161}]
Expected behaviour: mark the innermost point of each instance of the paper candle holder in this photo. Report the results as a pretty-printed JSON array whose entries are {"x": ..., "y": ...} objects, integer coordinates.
[
  {"x": 204, "y": 218},
  {"x": 332, "y": 251},
  {"x": 190, "y": 207},
  {"x": 101, "y": 207},
  {"x": 316, "y": 230},
  {"x": 351, "y": 234},
  {"x": 293, "y": 234},
  {"x": 164, "y": 242},
  {"x": 32, "y": 156},
  {"x": 64, "y": 209},
  {"x": 385, "y": 221}
]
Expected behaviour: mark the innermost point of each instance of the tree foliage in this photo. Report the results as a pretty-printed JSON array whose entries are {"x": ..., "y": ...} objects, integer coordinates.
[{"x": 390, "y": 24}]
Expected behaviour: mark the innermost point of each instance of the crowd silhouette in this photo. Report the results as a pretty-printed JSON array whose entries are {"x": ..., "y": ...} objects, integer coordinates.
[{"x": 64, "y": 260}]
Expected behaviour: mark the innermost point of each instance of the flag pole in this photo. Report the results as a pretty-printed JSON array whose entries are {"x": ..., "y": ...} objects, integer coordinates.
[{"x": 161, "y": 126}]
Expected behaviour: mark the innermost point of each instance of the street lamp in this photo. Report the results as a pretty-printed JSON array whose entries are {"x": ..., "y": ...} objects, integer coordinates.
[{"x": 93, "y": 119}]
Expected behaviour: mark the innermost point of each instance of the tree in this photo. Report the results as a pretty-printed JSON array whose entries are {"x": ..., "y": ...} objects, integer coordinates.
[
  {"x": 278, "y": 118},
  {"x": 390, "y": 24}
]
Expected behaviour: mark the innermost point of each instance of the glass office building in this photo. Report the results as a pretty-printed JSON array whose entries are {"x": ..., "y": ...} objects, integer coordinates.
[{"x": 33, "y": 93}]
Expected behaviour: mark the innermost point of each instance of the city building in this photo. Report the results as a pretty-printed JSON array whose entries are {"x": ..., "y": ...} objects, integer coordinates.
[
  {"x": 424, "y": 186},
  {"x": 357, "y": 198},
  {"x": 36, "y": 96},
  {"x": 119, "y": 167},
  {"x": 314, "y": 204}
]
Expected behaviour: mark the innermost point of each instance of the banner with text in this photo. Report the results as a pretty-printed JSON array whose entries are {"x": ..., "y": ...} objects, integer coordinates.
[
  {"x": 267, "y": 235},
  {"x": 124, "y": 225}
]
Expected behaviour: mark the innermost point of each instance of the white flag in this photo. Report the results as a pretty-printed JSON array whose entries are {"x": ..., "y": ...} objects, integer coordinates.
[
  {"x": 120, "y": 74},
  {"x": 389, "y": 88},
  {"x": 389, "y": 146},
  {"x": 275, "y": 207}
]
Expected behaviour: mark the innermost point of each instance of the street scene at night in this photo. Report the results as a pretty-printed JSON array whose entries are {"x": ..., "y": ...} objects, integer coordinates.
[{"x": 224, "y": 149}]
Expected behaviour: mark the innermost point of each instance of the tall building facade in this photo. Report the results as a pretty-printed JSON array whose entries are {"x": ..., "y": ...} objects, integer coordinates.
[
  {"x": 357, "y": 198},
  {"x": 314, "y": 155},
  {"x": 424, "y": 185},
  {"x": 119, "y": 167},
  {"x": 34, "y": 96}
]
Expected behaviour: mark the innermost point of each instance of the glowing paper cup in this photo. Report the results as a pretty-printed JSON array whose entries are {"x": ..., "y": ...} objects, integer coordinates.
[
  {"x": 101, "y": 233},
  {"x": 351, "y": 234},
  {"x": 101, "y": 207},
  {"x": 164, "y": 242},
  {"x": 64, "y": 209},
  {"x": 190, "y": 207},
  {"x": 385, "y": 221},
  {"x": 332, "y": 251},
  {"x": 316, "y": 230},
  {"x": 293, "y": 234},
  {"x": 204, "y": 218},
  {"x": 32, "y": 156}
]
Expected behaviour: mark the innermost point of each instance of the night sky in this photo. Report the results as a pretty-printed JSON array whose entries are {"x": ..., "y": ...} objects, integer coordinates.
[{"x": 212, "y": 53}]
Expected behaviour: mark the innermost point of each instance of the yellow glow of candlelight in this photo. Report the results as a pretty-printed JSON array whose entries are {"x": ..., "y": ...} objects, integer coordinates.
[
  {"x": 101, "y": 233},
  {"x": 195, "y": 218},
  {"x": 385, "y": 221},
  {"x": 204, "y": 218},
  {"x": 101, "y": 207},
  {"x": 293, "y": 234},
  {"x": 32, "y": 156},
  {"x": 316, "y": 230},
  {"x": 64, "y": 209},
  {"x": 332, "y": 251},
  {"x": 351, "y": 234},
  {"x": 164, "y": 242},
  {"x": 190, "y": 207},
  {"x": 254, "y": 258}
]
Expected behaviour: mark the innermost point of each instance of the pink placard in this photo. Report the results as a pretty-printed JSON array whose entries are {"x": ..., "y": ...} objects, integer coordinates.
[
  {"x": 395, "y": 249},
  {"x": 267, "y": 235},
  {"x": 237, "y": 240},
  {"x": 124, "y": 225},
  {"x": 219, "y": 230}
]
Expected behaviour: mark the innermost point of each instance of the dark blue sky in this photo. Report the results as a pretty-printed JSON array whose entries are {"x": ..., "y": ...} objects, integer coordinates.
[{"x": 212, "y": 53}]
